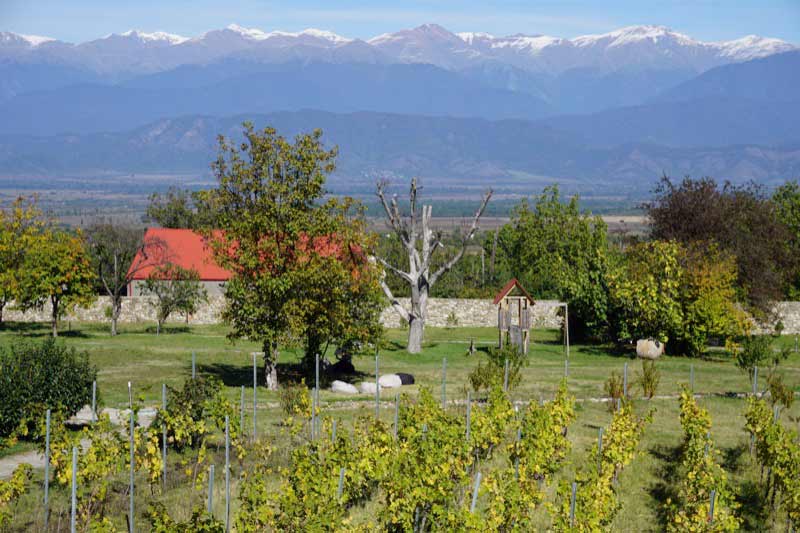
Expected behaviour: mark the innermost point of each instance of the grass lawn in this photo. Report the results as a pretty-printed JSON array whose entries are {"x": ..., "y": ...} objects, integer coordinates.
[{"x": 147, "y": 360}]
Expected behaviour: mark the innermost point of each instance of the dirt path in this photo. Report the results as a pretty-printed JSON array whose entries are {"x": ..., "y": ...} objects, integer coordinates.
[{"x": 11, "y": 462}]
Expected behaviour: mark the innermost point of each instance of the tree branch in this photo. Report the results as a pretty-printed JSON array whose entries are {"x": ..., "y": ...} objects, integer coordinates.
[
  {"x": 392, "y": 213},
  {"x": 397, "y": 271},
  {"x": 395, "y": 304},
  {"x": 467, "y": 237}
]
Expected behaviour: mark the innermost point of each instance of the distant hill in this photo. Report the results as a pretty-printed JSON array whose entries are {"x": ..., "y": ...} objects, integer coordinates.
[
  {"x": 462, "y": 154},
  {"x": 705, "y": 121},
  {"x": 395, "y": 88},
  {"x": 775, "y": 78},
  {"x": 754, "y": 102}
]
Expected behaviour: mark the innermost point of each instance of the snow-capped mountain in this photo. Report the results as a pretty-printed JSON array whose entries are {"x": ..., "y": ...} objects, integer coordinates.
[
  {"x": 17, "y": 40},
  {"x": 648, "y": 47},
  {"x": 627, "y": 66},
  {"x": 643, "y": 47}
]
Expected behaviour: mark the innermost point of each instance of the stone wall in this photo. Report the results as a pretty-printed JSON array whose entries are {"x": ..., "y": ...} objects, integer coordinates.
[
  {"x": 473, "y": 313},
  {"x": 135, "y": 309},
  {"x": 788, "y": 313},
  {"x": 468, "y": 313}
]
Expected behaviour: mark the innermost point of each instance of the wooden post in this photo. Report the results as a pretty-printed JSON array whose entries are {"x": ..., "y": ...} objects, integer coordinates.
[
  {"x": 396, "y": 414},
  {"x": 210, "y": 506},
  {"x": 566, "y": 327},
  {"x": 74, "y": 492},
  {"x": 712, "y": 501},
  {"x": 241, "y": 414},
  {"x": 625, "y": 380},
  {"x": 755, "y": 381},
  {"x": 227, "y": 474},
  {"x": 599, "y": 449},
  {"x": 255, "y": 396},
  {"x": 132, "y": 520},
  {"x": 475, "y": 492},
  {"x": 377, "y": 389},
  {"x": 469, "y": 412},
  {"x": 444, "y": 382},
  {"x": 340, "y": 488},
  {"x": 572, "y": 505},
  {"x": 47, "y": 469},
  {"x": 164, "y": 437},
  {"x": 94, "y": 401},
  {"x": 311, "y": 422}
]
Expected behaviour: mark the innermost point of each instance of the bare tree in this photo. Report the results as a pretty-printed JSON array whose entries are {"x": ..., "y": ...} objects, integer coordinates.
[
  {"x": 118, "y": 253},
  {"x": 420, "y": 242}
]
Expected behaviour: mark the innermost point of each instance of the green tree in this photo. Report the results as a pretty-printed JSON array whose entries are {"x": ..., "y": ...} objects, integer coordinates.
[
  {"x": 116, "y": 259},
  {"x": 672, "y": 293},
  {"x": 557, "y": 251},
  {"x": 268, "y": 200},
  {"x": 645, "y": 292},
  {"x": 181, "y": 208},
  {"x": 787, "y": 201},
  {"x": 740, "y": 220},
  {"x": 708, "y": 297},
  {"x": 59, "y": 270},
  {"x": 175, "y": 289},
  {"x": 338, "y": 299},
  {"x": 20, "y": 225}
]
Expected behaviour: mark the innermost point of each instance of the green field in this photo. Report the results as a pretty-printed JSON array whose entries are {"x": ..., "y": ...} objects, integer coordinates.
[{"x": 147, "y": 360}]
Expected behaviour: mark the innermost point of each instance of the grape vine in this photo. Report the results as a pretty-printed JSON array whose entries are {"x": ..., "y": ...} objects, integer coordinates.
[{"x": 702, "y": 475}]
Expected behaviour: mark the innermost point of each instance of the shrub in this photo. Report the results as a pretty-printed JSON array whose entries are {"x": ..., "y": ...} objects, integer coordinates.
[
  {"x": 779, "y": 392},
  {"x": 38, "y": 375},
  {"x": 452, "y": 320},
  {"x": 295, "y": 399},
  {"x": 491, "y": 372},
  {"x": 754, "y": 351},
  {"x": 757, "y": 351},
  {"x": 649, "y": 379},
  {"x": 614, "y": 389},
  {"x": 186, "y": 409}
]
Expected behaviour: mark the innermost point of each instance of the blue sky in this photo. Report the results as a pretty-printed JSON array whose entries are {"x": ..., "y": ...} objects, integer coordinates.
[{"x": 80, "y": 20}]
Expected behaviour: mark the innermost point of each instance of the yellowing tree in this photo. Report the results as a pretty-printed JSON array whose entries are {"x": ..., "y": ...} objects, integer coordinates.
[
  {"x": 20, "y": 225},
  {"x": 59, "y": 270},
  {"x": 670, "y": 292}
]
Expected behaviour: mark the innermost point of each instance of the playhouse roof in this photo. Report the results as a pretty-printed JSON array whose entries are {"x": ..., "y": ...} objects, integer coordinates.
[
  {"x": 183, "y": 247},
  {"x": 510, "y": 286}
]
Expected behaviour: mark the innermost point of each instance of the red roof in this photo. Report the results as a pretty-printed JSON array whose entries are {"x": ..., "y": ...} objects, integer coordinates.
[
  {"x": 182, "y": 247},
  {"x": 508, "y": 288}
]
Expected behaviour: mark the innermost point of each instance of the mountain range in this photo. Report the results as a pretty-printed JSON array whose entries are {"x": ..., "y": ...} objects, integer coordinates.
[{"x": 617, "y": 107}]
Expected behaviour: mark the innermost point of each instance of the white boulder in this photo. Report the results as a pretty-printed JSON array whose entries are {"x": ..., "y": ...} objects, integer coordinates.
[
  {"x": 367, "y": 387},
  {"x": 82, "y": 417},
  {"x": 390, "y": 381},
  {"x": 146, "y": 416},
  {"x": 343, "y": 387},
  {"x": 649, "y": 349}
]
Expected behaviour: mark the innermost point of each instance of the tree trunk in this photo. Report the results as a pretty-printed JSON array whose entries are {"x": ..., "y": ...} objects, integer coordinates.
[
  {"x": 494, "y": 253},
  {"x": 416, "y": 329},
  {"x": 2, "y": 306},
  {"x": 116, "y": 310},
  {"x": 417, "y": 317},
  {"x": 270, "y": 365},
  {"x": 54, "y": 316},
  {"x": 158, "y": 326}
]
